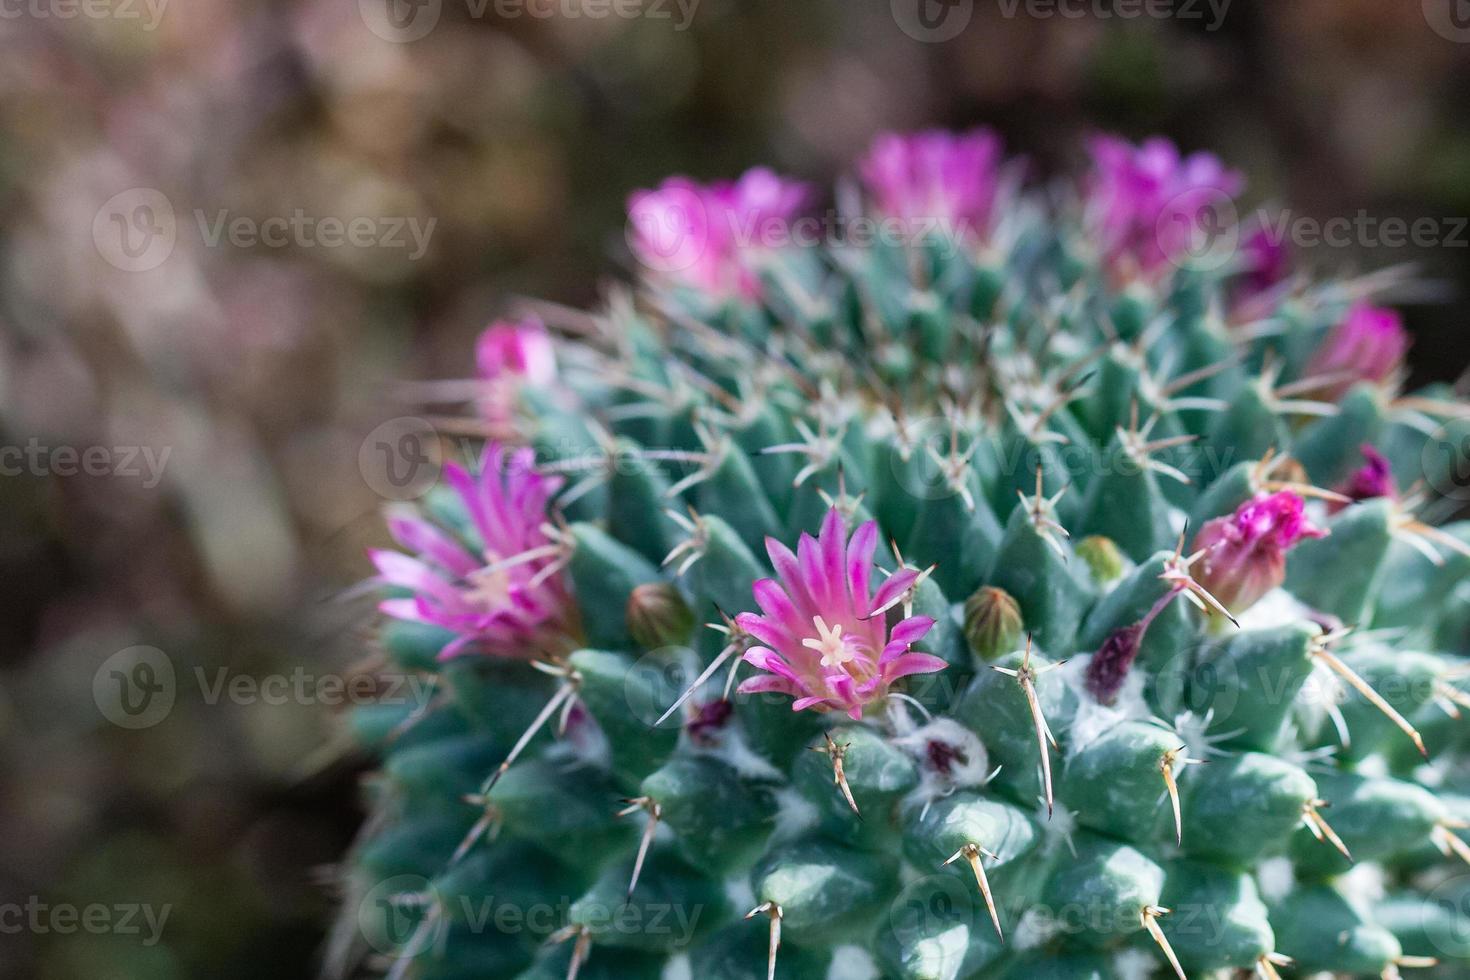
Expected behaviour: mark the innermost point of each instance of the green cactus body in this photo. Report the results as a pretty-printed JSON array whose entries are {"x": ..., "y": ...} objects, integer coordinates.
[{"x": 1010, "y": 551}]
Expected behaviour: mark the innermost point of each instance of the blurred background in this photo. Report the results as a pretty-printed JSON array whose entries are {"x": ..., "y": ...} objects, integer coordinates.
[{"x": 195, "y": 362}]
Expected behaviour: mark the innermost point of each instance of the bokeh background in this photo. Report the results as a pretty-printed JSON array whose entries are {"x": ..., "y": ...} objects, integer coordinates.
[{"x": 226, "y": 388}]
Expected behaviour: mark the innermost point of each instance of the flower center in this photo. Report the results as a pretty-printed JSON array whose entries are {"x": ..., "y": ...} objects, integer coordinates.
[
  {"x": 489, "y": 588},
  {"x": 835, "y": 649}
]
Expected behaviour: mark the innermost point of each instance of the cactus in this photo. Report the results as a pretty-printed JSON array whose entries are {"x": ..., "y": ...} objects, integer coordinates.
[{"x": 762, "y": 646}]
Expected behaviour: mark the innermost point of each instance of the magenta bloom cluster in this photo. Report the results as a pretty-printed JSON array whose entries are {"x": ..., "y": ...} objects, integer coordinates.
[
  {"x": 1373, "y": 479},
  {"x": 509, "y": 354},
  {"x": 1368, "y": 345},
  {"x": 1245, "y": 552},
  {"x": 711, "y": 237},
  {"x": 1147, "y": 203},
  {"x": 516, "y": 349},
  {"x": 950, "y": 178},
  {"x": 823, "y": 632},
  {"x": 504, "y": 597}
]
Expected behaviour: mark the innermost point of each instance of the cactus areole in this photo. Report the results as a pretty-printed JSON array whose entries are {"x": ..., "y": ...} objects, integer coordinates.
[{"x": 1033, "y": 587}]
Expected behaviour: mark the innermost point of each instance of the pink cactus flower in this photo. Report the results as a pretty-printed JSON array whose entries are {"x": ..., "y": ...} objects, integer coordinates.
[
  {"x": 824, "y": 632},
  {"x": 1373, "y": 479},
  {"x": 713, "y": 237},
  {"x": 1368, "y": 345},
  {"x": 504, "y": 596},
  {"x": 509, "y": 354},
  {"x": 1265, "y": 263},
  {"x": 1245, "y": 553},
  {"x": 1148, "y": 205},
  {"x": 516, "y": 349},
  {"x": 936, "y": 175}
]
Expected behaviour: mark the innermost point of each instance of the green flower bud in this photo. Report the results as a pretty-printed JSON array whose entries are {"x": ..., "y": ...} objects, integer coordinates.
[
  {"x": 992, "y": 622},
  {"x": 658, "y": 616},
  {"x": 1102, "y": 556}
]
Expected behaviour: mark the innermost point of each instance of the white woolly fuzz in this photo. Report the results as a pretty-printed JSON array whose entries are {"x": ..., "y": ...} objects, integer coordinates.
[
  {"x": 852, "y": 963},
  {"x": 970, "y": 765},
  {"x": 794, "y": 814},
  {"x": 1275, "y": 877},
  {"x": 1092, "y": 718},
  {"x": 1433, "y": 773},
  {"x": 677, "y": 968},
  {"x": 584, "y": 744},
  {"x": 1178, "y": 520},
  {"x": 1035, "y": 930},
  {"x": 740, "y": 894},
  {"x": 1374, "y": 766},
  {"x": 1276, "y": 608},
  {"x": 1135, "y": 964},
  {"x": 1364, "y": 886},
  {"x": 1059, "y": 827},
  {"x": 730, "y": 748},
  {"x": 1194, "y": 731}
]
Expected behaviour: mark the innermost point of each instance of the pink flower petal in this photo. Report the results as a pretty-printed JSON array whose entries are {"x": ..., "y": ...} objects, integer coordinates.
[
  {"x": 897, "y": 583},
  {"x": 913, "y": 663},
  {"x": 860, "y": 563}
]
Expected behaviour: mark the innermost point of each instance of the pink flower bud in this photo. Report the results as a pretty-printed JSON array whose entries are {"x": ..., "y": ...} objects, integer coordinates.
[
  {"x": 711, "y": 237},
  {"x": 1373, "y": 479},
  {"x": 1368, "y": 345},
  {"x": 935, "y": 176},
  {"x": 1245, "y": 553},
  {"x": 1137, "y": 195},
  {"x": 516, "y": 349}
]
